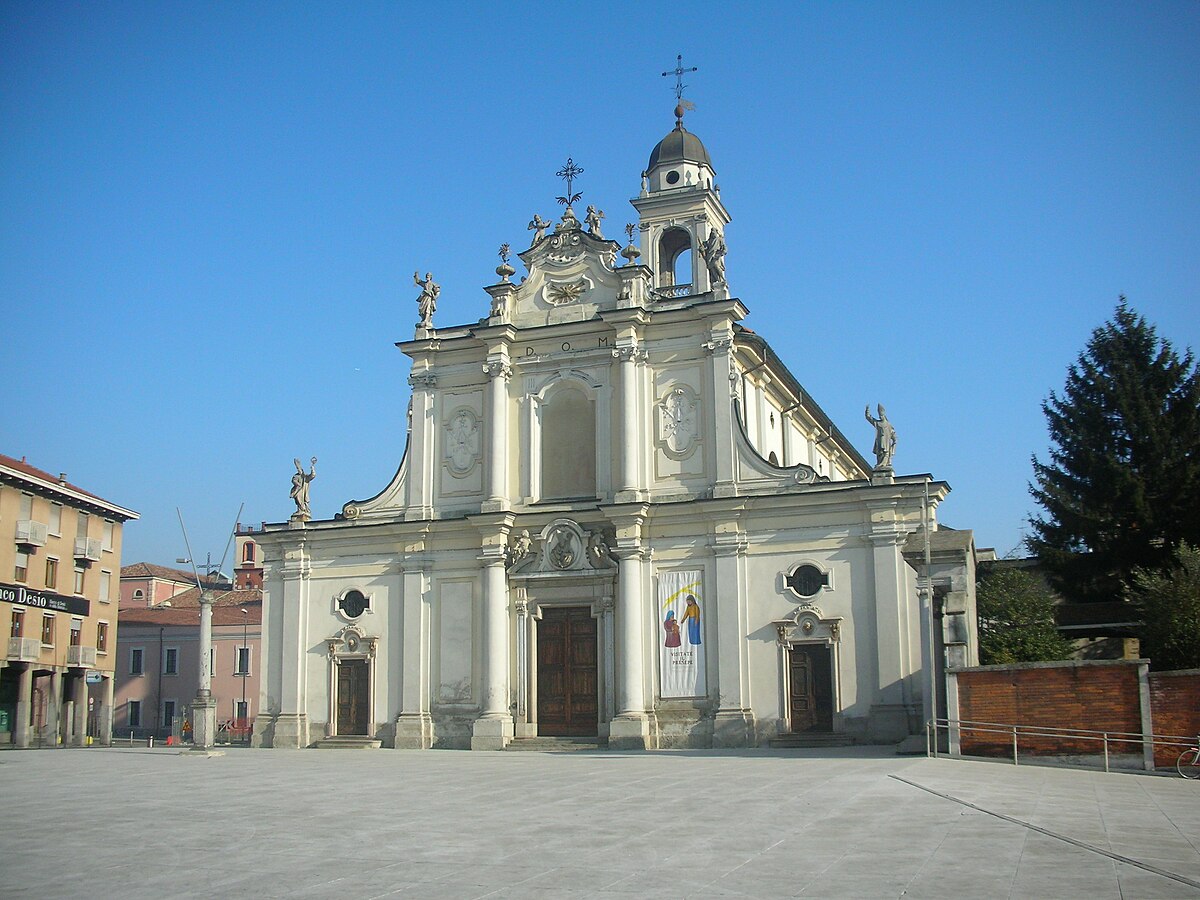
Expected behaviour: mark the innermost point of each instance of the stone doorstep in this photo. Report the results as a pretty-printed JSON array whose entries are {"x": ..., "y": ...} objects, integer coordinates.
[
  {"x": 557, "y": 744},
  {"x": 348, "y": 742},
  {"x": 812, "y": 739}
]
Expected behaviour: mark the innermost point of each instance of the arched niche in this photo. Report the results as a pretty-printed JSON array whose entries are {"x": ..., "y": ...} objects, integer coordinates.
[
  {"x": 674, "y": 246},
  {"x": 567, "y": 441}
]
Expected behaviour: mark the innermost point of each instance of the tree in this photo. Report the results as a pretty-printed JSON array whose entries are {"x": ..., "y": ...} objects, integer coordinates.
[
  {"x": 1169, "y": 600},
  {"x": 1015, "y": 611},
  {"x": 1122, "y": 483}
]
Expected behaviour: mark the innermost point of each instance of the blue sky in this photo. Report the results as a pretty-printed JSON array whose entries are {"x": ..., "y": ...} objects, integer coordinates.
[{"x": 210, "y": 213}]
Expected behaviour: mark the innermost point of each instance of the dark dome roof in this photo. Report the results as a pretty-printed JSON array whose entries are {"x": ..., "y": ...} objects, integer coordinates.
[{"x": 677, "y": 146}]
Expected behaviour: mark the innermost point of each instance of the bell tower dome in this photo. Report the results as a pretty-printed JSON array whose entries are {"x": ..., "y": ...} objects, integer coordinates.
[{"x": 682, "y": 219}]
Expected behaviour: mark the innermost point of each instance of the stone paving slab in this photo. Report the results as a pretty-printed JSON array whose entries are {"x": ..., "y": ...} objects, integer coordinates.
[{"x": 134, "y": 822}]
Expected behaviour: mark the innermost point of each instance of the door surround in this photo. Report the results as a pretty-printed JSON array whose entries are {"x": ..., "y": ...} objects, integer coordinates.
[
  {"x": 350, "y": 643},
  {"x": 806, "y": 625}
]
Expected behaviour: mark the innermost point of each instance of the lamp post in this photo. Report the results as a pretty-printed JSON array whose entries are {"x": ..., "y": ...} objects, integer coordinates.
[{"x": 245, "y": 665}]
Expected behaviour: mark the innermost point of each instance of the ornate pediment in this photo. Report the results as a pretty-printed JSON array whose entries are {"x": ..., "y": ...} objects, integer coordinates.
[
  {"x": 571, "y": 274},
  {"x": 562, "y": 548},
  {"x": 806, "y": 623},
  {"x": 351, "y": 641}
]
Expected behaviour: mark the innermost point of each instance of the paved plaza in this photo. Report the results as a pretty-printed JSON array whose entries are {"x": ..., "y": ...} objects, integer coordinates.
[{"x": 133, "y": 822}]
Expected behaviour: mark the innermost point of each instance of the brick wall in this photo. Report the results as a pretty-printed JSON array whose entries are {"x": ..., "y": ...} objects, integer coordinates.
[
  {"x": 1175, "y": 702},
  {"x": 1091, "y": 695}
]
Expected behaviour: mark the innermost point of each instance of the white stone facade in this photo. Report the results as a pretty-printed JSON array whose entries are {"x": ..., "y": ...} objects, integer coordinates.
[{"x": 605, "y": 426}]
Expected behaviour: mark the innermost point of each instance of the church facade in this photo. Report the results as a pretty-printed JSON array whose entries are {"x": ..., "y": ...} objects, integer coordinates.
[{"x": 620, "y": 516}]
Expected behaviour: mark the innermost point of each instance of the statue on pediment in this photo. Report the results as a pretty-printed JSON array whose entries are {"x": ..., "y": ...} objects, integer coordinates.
[
  {"x": 592, "y": 219},
  {"x": 427, "y": 302},
  {"x": 885, "y": 437},
  {"x": 538, "y": 226},
  {"x": 299, "y": 492}
]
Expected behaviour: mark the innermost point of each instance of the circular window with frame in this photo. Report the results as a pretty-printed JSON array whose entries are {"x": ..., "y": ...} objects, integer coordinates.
[
  {"x": 807, "y": 580},
  {"x": 673, "y": 177},
  {"x": 353, "y": 604}
]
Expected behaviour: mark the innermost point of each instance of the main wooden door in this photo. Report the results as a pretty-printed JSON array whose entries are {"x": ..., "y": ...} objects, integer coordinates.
[
  {"x": 566, "y": 675},
  {"x": 811, "y": 688},
  {"x": 353, "y": 696}
]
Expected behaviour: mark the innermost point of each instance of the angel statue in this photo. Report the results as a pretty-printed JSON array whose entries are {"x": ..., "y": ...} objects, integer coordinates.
[
  {"x": 427, "y": 302},
  {"x": 885, "y": 437},
  {"x": 538, "y": 226},
  {"x": 299, "y": 492},
  {"x": 713, "y": 251},
  {"x": 592, "y": 219}
]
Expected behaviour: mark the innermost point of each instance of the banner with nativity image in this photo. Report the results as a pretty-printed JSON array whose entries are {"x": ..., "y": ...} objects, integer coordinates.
[{"x": 681, "y": 635}]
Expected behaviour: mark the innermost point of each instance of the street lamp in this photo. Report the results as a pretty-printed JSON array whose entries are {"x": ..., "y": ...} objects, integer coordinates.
[{"x": 245, "y": 665}]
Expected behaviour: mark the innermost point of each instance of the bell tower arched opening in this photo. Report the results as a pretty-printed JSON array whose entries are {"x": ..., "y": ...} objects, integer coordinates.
[{"x": 674, "y": 258}]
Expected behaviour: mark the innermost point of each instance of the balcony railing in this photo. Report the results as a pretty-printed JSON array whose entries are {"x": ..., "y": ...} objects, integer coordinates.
[
  {"x": 81, "y": 657},
  {"x": 31, "y": 533},
  {"x": 24, "y": 649},
  {"x": 87, "y": 549},
  {"x": 672, "y": 291}
]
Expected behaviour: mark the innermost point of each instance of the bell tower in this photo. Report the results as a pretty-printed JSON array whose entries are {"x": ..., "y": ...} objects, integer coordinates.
[{"x": 682, "y": 218}]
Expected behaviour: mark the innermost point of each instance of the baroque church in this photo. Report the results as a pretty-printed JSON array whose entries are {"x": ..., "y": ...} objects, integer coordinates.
[{"x": 618, "y": 516}]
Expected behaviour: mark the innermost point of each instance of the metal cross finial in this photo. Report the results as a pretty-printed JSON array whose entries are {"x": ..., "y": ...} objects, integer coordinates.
[
  {"x": 569, "y": 172},
  {"x": 678, "y": 73}
]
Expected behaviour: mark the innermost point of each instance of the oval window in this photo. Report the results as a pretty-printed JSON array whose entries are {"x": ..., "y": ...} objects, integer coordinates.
[
  {"x": 672, "y": 177},
  {"x": 354, "y": 604}
]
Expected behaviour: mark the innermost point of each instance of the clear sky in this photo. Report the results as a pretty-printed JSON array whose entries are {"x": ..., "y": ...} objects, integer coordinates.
[{"x": 210, "y": 214}]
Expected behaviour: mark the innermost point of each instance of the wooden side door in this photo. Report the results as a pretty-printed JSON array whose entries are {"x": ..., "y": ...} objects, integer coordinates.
[
  {"x": 567, "y": 678},
  {"x": 811, "y": 688},
  {"x": 353, "y": 688}
]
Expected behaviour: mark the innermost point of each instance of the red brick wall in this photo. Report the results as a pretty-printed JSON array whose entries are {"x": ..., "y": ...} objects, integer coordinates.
[
  {"x": 1071, "y": 694},
  {"x": 1175, "y": 705}
]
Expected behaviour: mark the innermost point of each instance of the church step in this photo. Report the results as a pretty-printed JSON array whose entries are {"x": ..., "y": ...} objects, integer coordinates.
[
  {"x": 812, "y": 739},
  {"x": 553, "y": 744},
  {"x": 348, "y": 742}
]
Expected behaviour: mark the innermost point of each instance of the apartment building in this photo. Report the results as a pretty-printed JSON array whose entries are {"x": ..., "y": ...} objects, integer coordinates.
[{"x": 60, "y": 564}]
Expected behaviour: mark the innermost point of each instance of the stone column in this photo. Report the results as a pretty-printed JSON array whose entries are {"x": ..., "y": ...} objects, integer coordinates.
[
  {"x": 53, "y": 708},
  {"x": 24, "y": 706},
  {"x": 291, "y": 724},
  {"x": 494, "y": 727},
  {"x": 105, "y": 719},
  {"x": 893, "y": 702},
  {"x": 498, "y": 370},
  {"x": 79, "y": 691},
  {"x": 414, "y": 726},
  {"x": 631, "y": 727},
  {"x": 722, "y": 383},
  {"x": 630, "y": 431},
  {"x": 204, "y": 707},
  {"x": 733, "y": 724},
  {"x": 421, "y": 468}
]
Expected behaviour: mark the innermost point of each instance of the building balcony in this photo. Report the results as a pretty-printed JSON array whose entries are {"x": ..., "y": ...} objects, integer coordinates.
[
  {"x": 81, "y": 657},
  {"x": 24, "y": 649},
  {"x": 31, "y": 533},
  {"x": 87, "y": 549},
  {"x": 670, "y": 292}
]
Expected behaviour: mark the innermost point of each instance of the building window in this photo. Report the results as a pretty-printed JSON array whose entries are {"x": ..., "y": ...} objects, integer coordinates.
[
  {"x": 354, "y": 604},
  {"x": 51, "y": 573},
  {"x": 47, "y": 630},
  {"x": 171, "y": 661},
  {"x": 79, "y": 579},
  {"x": 76, "y": 632},
  {"x": 248, "y": 552},
  {"x": 168, "y": 718},
  {"x": 105, "y": 586},
  {"x": 106, "y": 540},
  {"x": 54, "y": 526},
  {"x": 21, "y": 567},
  {"x": 26, "y": 506},
  {"x": 135, "y": 714},
  {"x": 18, "y": 623},
  {"x": 241, "y": 712},
  {"x": 243, "y": 661},
  {"x": 81, "y": 525},
  {"x": 136, "y": 661},
  {"x": 139, "y": 594},
  {"x": 101, "y": 637}
]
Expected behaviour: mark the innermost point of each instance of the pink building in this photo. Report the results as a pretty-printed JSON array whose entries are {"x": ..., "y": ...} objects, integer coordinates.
[
  {"x": 146, "y": 584},
  {"x": 157, "y": 666}
]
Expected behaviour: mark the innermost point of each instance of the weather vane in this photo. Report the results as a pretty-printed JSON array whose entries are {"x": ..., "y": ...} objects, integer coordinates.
[
  {"x": 678, "y": 73},
  {"x": 569, "y": 172}
]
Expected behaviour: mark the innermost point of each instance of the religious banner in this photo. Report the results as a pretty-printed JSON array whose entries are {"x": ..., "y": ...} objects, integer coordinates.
[{"x": 681, "y": 635}]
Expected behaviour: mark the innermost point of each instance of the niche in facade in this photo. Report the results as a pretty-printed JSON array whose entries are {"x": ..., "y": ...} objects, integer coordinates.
[{"x": 568, "y": 445}]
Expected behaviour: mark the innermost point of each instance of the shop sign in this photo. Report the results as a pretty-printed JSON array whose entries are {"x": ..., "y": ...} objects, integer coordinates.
[{"x": 19, "y": 594}]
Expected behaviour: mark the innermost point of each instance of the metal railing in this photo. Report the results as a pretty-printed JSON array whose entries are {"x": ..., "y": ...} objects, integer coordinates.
[{"x": 1107, "y": 741}]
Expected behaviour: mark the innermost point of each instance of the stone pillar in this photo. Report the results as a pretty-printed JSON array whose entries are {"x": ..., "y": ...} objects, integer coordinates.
[
  {"x": 105, "y": 718},
  {"x": 290, "y": 729},
  {"x": 204, "y": 708},
  {"x": 498, "y": 370},
  {"x": 79, "y": 693},
  {"x": 630, "y": 730},
  {"x": 414, "y": 726},
  {"x": 494, "y": 727},
  {"x": 24, "y": 706},
  {"x": 629, "y": 490},
  {"x": 893, "y": 704},
  {"x": 53, "y": 708},
  {"x": 421, "y": 468},
  {"x": 722, "y": 384},
  {"x": 733, "y": 724}
]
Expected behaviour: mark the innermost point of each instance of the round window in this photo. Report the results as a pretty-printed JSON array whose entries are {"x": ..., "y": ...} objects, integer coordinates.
[
  {"x": 354, "y": 604},
  {"x": 672, "y": 177},
  {"x": 806, "y": 580}
]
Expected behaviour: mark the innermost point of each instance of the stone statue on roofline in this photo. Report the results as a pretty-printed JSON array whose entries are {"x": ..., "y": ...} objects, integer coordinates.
[
  {"x": 885, "y": 437},
  {"x": 299, "y": 493},
  {"x": 427, "y": 302},
  {"x": 713, "y": 250},
  {"x": 592, "y": 219}
]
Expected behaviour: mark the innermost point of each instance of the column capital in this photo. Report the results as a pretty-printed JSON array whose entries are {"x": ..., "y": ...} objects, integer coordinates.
[
  {"x": 497, "y": 368},
  {"x": 730, "y": 545},
  {"x": 493, "y": 555},
  {"x": 718, "y": 345},
  {"x": 426, "y": 379},
  {"x": 632, "y": 353}
]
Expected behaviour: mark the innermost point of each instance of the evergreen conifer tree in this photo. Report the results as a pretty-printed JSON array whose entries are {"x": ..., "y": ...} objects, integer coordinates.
[{"x": 1122, "y": 485}]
